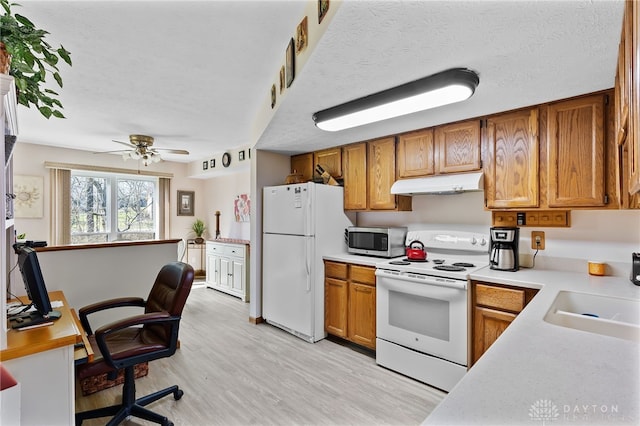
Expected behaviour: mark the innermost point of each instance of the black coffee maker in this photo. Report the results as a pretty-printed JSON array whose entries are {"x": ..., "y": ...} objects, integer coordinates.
[{"x": 503, "y": 253}]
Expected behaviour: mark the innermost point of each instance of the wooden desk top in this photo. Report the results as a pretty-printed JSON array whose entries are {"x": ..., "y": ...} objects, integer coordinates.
[{"x": 63, "y": 332}]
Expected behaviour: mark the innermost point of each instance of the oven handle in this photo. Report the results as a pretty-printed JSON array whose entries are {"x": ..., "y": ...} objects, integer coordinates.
[{"x": 428, "y": 280}]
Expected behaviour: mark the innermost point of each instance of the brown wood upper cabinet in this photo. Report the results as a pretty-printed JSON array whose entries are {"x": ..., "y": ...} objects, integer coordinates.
[
  {"x": 511, "y": 163},
  {"x": 369, "y": 172},
  {"x": 458, "y": 147},
  {"x": 626, "y": 111},
  {"x": 355, "y": 176},
  {"x": 575, "y": 152},
  {"x": 303, "y": 164},
  {"x": 381, "y": 157},
  {"x": 415, "y": 154},
  {"x": 331, "y": 160},
  {"x": 632, "y": 8}
]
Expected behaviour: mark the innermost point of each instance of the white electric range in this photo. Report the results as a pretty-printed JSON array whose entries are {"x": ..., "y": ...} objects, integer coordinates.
[{"x": 421, "y": 313}]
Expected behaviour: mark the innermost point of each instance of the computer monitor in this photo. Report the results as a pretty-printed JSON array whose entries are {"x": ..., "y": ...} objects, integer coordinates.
[{"x": 36, "y": 290}]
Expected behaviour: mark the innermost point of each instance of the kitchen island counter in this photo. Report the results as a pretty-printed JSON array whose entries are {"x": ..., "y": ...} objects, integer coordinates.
[{"x": 537, "y": 371}]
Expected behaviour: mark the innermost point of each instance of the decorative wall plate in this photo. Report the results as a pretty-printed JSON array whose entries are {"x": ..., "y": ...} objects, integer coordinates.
[{"x": 226, "y": 159}]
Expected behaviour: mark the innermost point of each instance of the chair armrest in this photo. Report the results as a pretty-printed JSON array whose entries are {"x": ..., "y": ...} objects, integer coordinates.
[
  {"x": 106, "y": 304},
  {"x": 150, "y": 318}
]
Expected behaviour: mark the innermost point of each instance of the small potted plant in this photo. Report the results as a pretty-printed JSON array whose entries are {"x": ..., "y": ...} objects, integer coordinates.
[
  {"x": 198, "y": 228},
  {"x": 31, "y": 59}
]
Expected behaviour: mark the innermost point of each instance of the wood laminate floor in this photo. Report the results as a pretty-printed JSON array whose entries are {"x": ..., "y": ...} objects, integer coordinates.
[{"x": 237, "y": 373}]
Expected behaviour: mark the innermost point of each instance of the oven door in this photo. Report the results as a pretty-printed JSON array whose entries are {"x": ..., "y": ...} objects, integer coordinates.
[{"x": 424, "y": 313}]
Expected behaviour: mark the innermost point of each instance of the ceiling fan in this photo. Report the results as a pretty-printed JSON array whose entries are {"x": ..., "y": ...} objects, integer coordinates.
[{"x": 141, "y": 148}]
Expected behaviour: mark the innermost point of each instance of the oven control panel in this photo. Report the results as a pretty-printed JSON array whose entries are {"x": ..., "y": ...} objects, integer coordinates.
[{"x": 450, "y": 240}]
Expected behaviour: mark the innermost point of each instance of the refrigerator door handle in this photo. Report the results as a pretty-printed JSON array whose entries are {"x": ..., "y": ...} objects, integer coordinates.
[
  {"x": 307, "y": 260},
  {"x": 308, "y": 217}
]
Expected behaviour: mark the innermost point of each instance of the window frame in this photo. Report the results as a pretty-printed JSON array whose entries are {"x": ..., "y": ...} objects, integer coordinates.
[{"x": 112, "y": 201}]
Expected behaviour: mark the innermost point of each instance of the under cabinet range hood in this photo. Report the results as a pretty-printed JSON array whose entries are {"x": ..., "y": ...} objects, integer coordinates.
[{"x": 441, "y": 184}]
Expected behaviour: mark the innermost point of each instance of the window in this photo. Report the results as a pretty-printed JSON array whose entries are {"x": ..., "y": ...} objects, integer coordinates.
[{"x": 110, "y": 207}]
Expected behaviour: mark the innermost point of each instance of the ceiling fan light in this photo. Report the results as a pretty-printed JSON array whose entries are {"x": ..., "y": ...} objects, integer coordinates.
[
  {"x": 135, "y": 155},
  {"x": 444, "y": 88}
]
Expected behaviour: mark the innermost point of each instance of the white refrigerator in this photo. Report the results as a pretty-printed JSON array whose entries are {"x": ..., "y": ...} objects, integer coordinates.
[{"x": 301, "y": 223}]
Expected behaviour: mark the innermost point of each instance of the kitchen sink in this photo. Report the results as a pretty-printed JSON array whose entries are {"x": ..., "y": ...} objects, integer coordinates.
[{"x": 609, "y": 316}]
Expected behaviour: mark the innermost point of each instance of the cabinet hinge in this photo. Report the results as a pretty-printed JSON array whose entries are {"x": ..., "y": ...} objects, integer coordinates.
[
  {"x": 606, "y": 199},
  {"x": 606, "y": 99}
]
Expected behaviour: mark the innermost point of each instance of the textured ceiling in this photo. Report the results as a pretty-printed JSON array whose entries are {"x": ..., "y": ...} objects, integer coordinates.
[{"x": 194, "y": 74}]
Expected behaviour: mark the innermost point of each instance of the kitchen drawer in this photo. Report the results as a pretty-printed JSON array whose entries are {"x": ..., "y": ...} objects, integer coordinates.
[
  {"x": 499, "y": 297},
  {"x": 504, "y": 218},
  {"x": 213, "y": 248},
  {"x": 362, "y": 274},
  {"x": 235, "y": 250},
  {"x": 335, "y": 270}
]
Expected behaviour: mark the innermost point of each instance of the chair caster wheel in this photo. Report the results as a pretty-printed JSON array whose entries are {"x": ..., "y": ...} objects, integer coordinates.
[{"x": 178, "y": 394}]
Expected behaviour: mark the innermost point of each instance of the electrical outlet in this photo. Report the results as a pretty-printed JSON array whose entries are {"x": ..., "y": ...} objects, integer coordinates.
[{"x": 537, "y": 240}]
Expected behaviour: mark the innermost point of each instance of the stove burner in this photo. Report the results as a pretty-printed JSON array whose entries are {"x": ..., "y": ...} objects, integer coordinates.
[
  {"x": 406, "y": 259},
  {"x": 399, "y": 262},
  {"x": 464, "y": 264},
  {"x": 438, "y": 261},
  {"x": 449, "y": 268}
]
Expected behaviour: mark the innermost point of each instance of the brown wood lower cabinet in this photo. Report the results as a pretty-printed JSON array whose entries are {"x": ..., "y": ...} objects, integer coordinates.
[
  {"x": 350, "y": 302},
  {"x": 495, "y": 306},
  {"x": 335, "y": 312}
]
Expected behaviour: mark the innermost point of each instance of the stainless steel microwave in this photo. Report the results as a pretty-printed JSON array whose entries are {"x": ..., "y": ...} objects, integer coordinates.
[{"x": 376, "y": 241}]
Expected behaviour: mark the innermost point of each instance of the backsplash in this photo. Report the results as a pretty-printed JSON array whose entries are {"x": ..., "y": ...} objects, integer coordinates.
[{"x": 606, "y": 235}]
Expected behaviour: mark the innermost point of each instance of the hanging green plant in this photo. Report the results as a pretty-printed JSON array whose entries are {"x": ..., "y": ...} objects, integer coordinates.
[{"x": 32, "y": 60}]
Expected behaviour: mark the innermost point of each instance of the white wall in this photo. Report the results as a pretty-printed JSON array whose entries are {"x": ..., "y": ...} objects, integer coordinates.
[
  {"x": 219, "y": 193},
  {"x": 90, "y": 275},
  {"x": 29, "y": 159}
]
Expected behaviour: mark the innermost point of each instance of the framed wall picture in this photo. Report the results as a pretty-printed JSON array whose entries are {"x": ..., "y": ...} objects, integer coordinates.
[
  {"x": 29, "y": 196},
  {"x": 185, "y": 203},
  {"x": 241, "y": 155},
  {"x": 290, "y": 66},
  {"x": 212, "y": 163},
  {"x": 282, "y": 79},
  {"x": 323, "y": 8},
  {"x": 301, "y": 36},
  {"x": 273, "y": 96},
  {"x": 205, "y": 165}
]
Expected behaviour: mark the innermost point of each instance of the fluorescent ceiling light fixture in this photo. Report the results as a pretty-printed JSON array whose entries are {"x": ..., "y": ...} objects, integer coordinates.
[{"x": 439, "y": 89}]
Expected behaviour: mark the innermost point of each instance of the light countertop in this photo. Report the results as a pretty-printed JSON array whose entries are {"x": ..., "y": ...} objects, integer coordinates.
[
  {"x": 230, "y": 241},
  {"x": 537, "y": 369},
  {"x": 354, "y": 258}
]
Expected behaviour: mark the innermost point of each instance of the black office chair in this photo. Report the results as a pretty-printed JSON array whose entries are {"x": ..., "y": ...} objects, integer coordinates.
[{"x": 133, "y": 340}]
